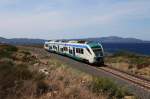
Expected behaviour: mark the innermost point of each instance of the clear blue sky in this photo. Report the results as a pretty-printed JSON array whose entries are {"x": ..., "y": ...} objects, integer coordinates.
[{"x": 56, "y": 19}]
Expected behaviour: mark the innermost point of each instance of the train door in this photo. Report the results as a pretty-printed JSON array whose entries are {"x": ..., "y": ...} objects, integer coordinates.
[
  {"x": 61, "y": 49},
  {"x": 58, "y": 48},
  {"x": 73, "y": 51}
]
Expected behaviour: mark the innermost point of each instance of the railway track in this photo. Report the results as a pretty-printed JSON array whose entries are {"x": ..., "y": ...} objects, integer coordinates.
[{"x": 137, "y": 81}]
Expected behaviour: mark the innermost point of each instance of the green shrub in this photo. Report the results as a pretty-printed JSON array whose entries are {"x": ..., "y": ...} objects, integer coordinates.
[
  {"x": 5, "y": 54},
  {"x": 102, "y": 84},
  {"x": 121, "y": 92},
  {"x": 138, "y": 60},
  {"x": 130, "y": 66},
  {"x": 6, "y": 75},
  {"x": 8, "y": 71},
  {"x": 42, "y": 87},
  {"x": 106, "y": 85},
  {"x": 22, "y": 72},
  {"x": 26, "y": 52},
  {"x": 7, "y": 50},
  {"x": 12, "y": 76},
  {"x": 39, "y": 76},
  {"x": 125, "y": 54}
]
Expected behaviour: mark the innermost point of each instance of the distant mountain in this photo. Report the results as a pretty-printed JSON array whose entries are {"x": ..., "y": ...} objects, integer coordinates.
[
  {"x": 3, "y": 40},
  {"x": 25, "y": 41},
  {"x": 110, "y": 39},
  {"x": 22, "y": 41},
  {"x": 115, "y": 39}
]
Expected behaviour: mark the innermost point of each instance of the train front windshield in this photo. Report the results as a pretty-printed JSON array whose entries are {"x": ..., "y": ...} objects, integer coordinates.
[
  {"x": 98, "y": 52},
  {"x": 97, "y": 49}
]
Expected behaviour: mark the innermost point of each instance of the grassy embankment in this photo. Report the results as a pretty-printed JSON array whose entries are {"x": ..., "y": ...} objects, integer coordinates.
[
  {"x": 130, "y": 62},
  {"x": 25, "y": 76}
]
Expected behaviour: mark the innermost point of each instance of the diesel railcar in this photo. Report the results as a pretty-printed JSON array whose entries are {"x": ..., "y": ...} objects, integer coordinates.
[{"x": 91, "y": 52}]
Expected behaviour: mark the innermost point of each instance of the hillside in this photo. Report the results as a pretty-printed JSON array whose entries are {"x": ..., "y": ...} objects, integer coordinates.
[
  {"x": 28, "y": 73},
  {"x": 130, "y": 62},
  {"x": 114, "y": 39}
]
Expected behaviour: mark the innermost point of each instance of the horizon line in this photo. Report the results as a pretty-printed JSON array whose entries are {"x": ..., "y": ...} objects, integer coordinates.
[{"x": 74, "y": 38}]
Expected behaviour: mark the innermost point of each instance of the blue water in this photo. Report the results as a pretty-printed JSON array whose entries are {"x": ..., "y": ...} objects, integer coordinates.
[{"x": 141, "y": 48}]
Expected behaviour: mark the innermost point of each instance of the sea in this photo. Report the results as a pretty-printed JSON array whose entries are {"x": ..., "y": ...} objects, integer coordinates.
[{"x": 139, "y": 48}]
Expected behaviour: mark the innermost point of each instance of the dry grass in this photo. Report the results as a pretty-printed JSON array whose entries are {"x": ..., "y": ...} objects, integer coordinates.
[
  {"x": 25, "y": 76},
  {"x": 68, "y": 83},
  {"x": 130, "y": 62},
  {"x": 38, "y": 76}
]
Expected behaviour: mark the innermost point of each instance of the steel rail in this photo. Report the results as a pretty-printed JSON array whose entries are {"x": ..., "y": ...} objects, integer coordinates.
[{"x": 134, "y": 79}]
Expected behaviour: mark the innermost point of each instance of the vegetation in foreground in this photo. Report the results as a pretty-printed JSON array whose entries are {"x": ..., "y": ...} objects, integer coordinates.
[
  {"x": 25, "y": 76},
  {"x": 130, "y": 62}
]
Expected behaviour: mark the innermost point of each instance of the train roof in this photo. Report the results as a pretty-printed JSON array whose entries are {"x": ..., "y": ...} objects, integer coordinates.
[
  {"x": 77, "y": 42},
  {"x": 69, "y": 41}
]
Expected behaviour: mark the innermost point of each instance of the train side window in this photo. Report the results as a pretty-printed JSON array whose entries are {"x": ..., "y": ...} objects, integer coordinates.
[
  {"x": 65, "y": 49},
  {"x": 81, "y": 51},
  {"x": 46, "y": 45},
  {"x": 70, "y": 51},
  {"x": 61, "y": 49},
  {"x": 50, "y": 47},
  {"x": 54, "y": 47},
  {"x": 77, "y": 50}
]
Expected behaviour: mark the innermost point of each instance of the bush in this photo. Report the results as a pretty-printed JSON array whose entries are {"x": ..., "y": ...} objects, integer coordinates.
[
  {"x": 26, "y": 52},
  {"x": 7, "y": 50},
  {"x": 12, "y": 76},
  {"x": 6, "y": 77},
  {"x": 39, "y": 76},
  {"x": 130, "y": 66},
  {"x": 42, "y": 87},
  {"x": 5, "y": 54},
  {"x": 121, "y": 92},
  {"x": 125, "y": 54},
  {"x": 22, "y": 72},
  {"x": 138, "y": 61},
  {"x": 16, "y": 72},
  {"x": 106, "y": 85}
]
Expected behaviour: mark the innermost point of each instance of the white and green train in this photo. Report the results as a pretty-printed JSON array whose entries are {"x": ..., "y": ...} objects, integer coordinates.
[{"x": 88, "y": 51}]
